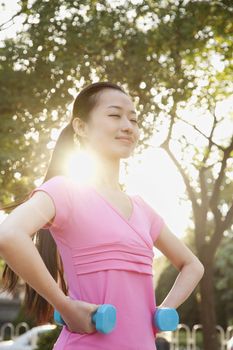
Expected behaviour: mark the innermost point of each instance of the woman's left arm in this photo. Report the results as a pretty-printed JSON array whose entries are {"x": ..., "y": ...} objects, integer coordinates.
[{"x": 191, "y": 269}]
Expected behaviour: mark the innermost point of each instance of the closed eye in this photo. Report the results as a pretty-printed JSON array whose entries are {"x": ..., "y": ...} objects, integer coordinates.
[{"x": 116, "y": 115}]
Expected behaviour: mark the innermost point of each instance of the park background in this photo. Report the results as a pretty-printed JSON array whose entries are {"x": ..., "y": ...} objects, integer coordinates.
[{"x": 175, "y": 60}]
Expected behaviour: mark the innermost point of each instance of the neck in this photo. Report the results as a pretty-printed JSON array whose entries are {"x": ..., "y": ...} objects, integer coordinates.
[{"x": 105, "y": 172}]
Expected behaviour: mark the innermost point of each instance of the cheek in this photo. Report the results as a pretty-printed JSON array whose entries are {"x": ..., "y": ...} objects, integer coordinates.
[
  {"x": 137, "y": 134},
  {"x": 101, "y": 134}
]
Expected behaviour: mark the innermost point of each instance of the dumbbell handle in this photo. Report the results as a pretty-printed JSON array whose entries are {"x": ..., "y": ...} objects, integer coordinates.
[
  {"x": 104, "y": 318},
  {"x": 59, "y": 320},
  {"x": 166, "y": 319}
]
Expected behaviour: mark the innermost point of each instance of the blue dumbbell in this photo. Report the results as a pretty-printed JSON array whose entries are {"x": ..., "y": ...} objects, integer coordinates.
[
  {"x": 104, "y": 318},
  {"x": 166, "y": 319}
]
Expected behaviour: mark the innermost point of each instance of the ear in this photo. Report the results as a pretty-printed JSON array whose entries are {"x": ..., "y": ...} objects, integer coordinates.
[{"x": 79, "y": 126}]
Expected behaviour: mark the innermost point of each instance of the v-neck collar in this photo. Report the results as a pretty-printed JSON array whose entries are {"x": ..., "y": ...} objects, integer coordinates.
[{"x": 115, "y": 209}]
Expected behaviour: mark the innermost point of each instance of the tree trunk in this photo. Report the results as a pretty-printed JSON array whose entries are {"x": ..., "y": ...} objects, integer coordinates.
[{"x": 208, "y": 314}]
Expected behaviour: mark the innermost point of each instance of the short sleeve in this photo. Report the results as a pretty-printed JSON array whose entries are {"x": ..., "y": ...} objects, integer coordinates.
[
  {"x": 156, "y": 220},
  {"x": 57, "y": 188}
]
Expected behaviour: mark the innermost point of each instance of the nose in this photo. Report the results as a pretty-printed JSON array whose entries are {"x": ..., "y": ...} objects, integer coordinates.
[{"x": 126, "y": 124}]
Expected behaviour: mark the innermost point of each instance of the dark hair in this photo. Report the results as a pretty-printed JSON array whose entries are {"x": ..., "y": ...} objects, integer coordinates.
[{"x": 35, "y": 304}]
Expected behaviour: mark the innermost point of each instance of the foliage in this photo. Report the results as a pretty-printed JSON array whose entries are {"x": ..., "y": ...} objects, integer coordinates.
[
  {"x": 174, "y": 45},
  {"x": 47, "y": 340},
  {"x": 224, "y": 282},
  {"x": 62, "y": 42}
]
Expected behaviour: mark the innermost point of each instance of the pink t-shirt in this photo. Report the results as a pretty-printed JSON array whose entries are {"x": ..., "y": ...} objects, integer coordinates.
[{"x": 107, "y": 260}]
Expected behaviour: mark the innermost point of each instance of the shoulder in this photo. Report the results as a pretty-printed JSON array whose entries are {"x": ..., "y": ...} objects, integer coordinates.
[
  {"x": 58, "y": 179},
  {"x": 59, "y": 182},
  {"x": 59, "y": 204},
  {"x": 143, "y": 203},
  {"x": 57, "y": 187}
]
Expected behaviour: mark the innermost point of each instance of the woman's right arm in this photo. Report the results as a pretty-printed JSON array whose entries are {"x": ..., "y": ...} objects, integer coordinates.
[{"x": 20, "y": 253}]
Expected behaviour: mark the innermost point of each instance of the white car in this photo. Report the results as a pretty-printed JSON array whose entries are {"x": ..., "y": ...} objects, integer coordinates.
[{"x": 28, "y": 340}]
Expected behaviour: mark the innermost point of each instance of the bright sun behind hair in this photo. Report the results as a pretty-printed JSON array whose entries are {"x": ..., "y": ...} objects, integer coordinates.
[{"x": 79, "y": 166}]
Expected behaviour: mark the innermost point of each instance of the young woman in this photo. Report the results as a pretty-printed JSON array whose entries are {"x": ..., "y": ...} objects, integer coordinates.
[{"x": 95, "y": 241}]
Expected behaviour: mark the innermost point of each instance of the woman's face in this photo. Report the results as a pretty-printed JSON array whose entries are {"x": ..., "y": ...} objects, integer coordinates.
[{"x": 108, "y": 125}]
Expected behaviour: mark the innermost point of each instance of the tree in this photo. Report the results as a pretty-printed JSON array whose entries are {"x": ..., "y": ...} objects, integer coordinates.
[
  {"x": 173, "y": 45},
  {"x": 224, "y": 282}
]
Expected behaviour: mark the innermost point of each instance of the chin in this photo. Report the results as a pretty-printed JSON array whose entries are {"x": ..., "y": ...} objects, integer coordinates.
[
  {"x": 125, "y": 154},
  {"x": 120, "y": 153}
]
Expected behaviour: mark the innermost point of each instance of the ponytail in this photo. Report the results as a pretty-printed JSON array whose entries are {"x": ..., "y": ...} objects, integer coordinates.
[{"x": 64, "y": 145}]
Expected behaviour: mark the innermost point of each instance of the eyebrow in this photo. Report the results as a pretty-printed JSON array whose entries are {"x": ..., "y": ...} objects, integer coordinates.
[{"x": 121, "y": 108}]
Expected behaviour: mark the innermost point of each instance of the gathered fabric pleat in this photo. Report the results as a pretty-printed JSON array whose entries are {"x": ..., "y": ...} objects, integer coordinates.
[{"x": 112, "y": 256}]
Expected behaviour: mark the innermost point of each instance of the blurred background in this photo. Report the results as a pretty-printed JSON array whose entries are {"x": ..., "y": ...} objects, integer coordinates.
[{"x": 174, "y": 58}]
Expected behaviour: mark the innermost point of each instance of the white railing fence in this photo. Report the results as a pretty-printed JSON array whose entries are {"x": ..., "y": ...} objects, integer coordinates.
[
  {"x": 11, "y": 331},
  {"x": 189, "y": 337}
]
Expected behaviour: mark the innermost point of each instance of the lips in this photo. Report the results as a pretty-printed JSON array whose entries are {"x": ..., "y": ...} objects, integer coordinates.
[{"x": 125, "y": 139}]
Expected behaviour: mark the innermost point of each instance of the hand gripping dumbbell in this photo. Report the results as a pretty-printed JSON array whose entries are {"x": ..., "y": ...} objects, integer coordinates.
[
  {"x": 166, "y": 319},
  {"x": 104, "y": 318}
]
